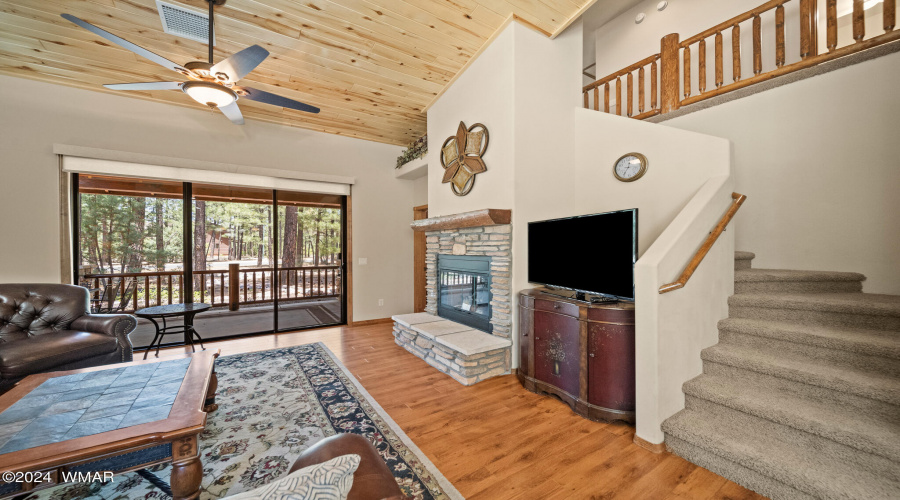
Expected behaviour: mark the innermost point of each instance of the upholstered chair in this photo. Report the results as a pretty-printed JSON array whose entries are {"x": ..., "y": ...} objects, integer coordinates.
[{"x": 48, "y": 327}]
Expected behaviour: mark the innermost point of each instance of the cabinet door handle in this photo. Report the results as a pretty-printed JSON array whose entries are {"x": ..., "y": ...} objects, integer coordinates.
[
  {"x": 556, "y": 306},
  {"x": 537, "y": 338},
  {"x": 591, "y": 355}
]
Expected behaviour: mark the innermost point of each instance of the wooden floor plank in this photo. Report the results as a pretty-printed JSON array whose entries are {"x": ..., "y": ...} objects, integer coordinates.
[{"x": 495, "y": 440}]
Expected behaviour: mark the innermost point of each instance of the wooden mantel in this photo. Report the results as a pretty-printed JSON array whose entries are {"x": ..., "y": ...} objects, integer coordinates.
[{"x": 486, "y": 217}]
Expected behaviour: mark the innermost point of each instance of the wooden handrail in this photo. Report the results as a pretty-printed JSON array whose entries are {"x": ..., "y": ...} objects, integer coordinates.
[
  {"x": 707, "y": 245},
  {"x": 746, "y": 16},
  {"x": 621, "y": 72}
]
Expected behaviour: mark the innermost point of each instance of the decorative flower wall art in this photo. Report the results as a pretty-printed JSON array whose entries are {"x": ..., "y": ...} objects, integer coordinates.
[{"x": 461, "y": 157}]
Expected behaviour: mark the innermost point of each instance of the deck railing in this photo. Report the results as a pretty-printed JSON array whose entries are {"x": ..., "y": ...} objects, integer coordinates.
[
  {"x": 230, "y": 287},
  {"x": 671, "y": 70}
]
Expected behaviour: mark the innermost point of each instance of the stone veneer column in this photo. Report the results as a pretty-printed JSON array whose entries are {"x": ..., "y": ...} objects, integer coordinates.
[{"x": 493, "y": 241}]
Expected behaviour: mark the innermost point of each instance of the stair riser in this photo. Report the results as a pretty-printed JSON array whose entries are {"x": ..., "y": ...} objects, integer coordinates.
[
  {"x": 735, "y": 472},
  {"x": 797, "y": 286},
  {"x": 851, "y": 401},
  {"x": 831, "y": 356},
  {"x": 740, "y": 265},
  {"x": 826, "y": 448},
  {"x": 824, "y": 318},
  {"x": 862, "y": 443}
]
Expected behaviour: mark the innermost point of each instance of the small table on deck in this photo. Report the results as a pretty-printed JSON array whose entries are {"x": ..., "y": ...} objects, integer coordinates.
[
  {"x": 113, "y": 419},
  {"x": 172, "y": 311}
]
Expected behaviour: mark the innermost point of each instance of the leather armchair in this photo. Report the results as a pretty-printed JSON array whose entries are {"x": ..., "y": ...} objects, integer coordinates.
[
  {"x": 371, "y": 481},
  {"x": 47, "y": 327}
]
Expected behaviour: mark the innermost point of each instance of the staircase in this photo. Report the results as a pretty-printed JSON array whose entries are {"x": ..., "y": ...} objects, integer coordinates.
[{"x": 801, "y": 396}]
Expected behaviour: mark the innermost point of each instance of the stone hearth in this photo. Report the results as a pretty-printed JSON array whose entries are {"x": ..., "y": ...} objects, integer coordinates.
[{"x": 467, "y": 355}]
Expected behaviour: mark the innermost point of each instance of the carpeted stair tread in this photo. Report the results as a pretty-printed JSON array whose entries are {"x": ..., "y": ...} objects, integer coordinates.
[
  {"x": 743, "y": 260},
  {"x": 869, "y": 433},
  {"x": 748, "y": 442},
  {"x": 861, "y": 341},
  {"x": 734, "y": 471},
  {"x": 763, "y": 275},
  {"x": 868, "y": 384},
  {"x": 740, "y": 255},
  {"x": 849, "y": 303}
]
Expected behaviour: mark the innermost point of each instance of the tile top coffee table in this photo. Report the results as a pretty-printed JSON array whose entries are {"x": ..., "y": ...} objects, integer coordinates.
[{"x": 115, "y": 418}]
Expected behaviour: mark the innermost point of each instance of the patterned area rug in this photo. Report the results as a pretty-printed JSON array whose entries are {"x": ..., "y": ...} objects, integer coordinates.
[{"x": 272, "y": 406}]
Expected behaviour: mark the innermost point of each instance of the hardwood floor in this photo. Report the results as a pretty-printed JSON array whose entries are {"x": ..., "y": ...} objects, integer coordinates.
[{"x": 495, "y": 440}]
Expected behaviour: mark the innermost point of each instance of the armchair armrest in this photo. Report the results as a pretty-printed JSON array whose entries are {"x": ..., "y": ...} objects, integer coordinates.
[
  {"x": 372, "y": 479},
  {"x": 110, "y": 324},
  {"x": 114, "y": 325}
]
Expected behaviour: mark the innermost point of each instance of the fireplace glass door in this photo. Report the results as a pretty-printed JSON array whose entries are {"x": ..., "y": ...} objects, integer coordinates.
[{"x": 465, "y": 294}]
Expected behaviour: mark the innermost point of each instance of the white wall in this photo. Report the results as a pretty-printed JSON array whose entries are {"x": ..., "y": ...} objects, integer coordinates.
[
  {"x": 483, "y": 94},
  {"x": 818, "y": 161},
  {"x": 672, "y": 328},
  {"x": 420, "y": 191},
  {"x": 36, "y": 115}
]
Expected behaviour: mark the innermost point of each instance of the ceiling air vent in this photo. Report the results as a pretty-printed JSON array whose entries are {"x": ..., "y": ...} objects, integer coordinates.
[{"x": 184, "y": 22}]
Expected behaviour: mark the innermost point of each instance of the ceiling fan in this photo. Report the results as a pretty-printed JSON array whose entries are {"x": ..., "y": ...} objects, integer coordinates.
[{"x": 210, "y": 84}]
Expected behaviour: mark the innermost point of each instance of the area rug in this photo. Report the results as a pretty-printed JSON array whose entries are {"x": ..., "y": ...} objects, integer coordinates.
[{"x": 272, "y": 406}]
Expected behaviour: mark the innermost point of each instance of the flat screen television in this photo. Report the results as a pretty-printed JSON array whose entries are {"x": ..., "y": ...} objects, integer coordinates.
[{"x": 588, "y": 254}]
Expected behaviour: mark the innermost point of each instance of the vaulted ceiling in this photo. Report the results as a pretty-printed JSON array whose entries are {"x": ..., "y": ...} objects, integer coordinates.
[{"x": 372, "y": 66}]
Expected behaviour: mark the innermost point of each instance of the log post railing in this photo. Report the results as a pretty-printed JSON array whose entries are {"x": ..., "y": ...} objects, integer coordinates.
[
  {"x": 674, "y": 88},
  {"x": 234, "y": 287},
  {"x": 706, "y": 246},
  {"x": 670, "y": 69},
  {"x": 616, "y": 78},
  {"x": 231, "y": 287}
]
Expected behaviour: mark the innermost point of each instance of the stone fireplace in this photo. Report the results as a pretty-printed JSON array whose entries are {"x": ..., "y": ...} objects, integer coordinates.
[{"x": 466, "y": 327}]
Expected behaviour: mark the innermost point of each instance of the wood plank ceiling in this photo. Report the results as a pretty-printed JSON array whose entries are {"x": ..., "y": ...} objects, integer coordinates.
[{"x": 372, "y": 66}]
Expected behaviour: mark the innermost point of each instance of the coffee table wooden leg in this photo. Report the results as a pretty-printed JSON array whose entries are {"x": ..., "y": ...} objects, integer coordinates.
[
  {"x": 187, "y": 471},
  {"x": 210, "y": 404}
]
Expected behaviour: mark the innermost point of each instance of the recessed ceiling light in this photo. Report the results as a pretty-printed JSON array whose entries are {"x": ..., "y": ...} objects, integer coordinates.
[
  {"x": 638, "y": 19},
  {"x": 661, "y": 6}
]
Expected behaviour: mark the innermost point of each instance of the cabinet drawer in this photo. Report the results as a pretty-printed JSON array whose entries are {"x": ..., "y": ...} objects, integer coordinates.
[
  {"x": 621, "y": 316},
  {"x": 557, "y": 307}
]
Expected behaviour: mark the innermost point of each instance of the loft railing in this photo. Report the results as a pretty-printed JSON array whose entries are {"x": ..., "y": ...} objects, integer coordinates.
[
  {"x": 671, "y": 82},
  {"x": 230, "y": 287},
  {"x": 704, "y": 248}
]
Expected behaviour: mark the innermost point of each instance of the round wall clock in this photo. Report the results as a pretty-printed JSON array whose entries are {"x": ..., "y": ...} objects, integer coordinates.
[{"x": 630, "y": 167}]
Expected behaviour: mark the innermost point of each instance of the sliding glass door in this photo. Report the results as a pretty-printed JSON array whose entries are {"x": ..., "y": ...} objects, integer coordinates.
[
  {"x": 310, "y": 234},
  {"x": 264, "y": 260},
  {"x": 232, "y": 259}
]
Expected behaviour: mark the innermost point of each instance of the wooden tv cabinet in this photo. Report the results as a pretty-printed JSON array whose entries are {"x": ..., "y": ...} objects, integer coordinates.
[{"x": 580, "y": 352}]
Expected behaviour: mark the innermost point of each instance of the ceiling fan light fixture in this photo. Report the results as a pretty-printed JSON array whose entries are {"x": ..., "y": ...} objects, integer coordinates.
[{"x": 209, "y": 94}]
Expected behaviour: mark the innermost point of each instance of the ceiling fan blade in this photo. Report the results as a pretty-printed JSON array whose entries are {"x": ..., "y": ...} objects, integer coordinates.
[
  {"x": 158, "y": 59},
  {"x": 238, "y": 65},
  {"x": 233, "y": 112},
  {"x": 145, "y": 86},
  {"x": 276, "y": 100}
]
